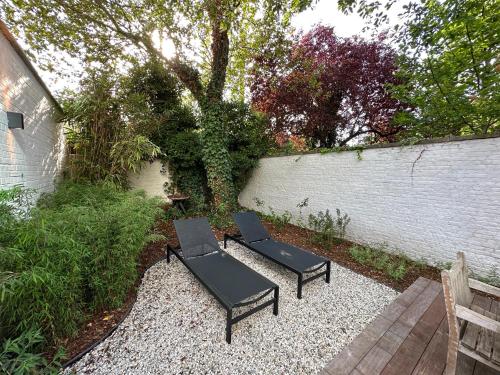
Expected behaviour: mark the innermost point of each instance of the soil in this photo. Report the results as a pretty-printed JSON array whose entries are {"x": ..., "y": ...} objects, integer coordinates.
[{"x": 102, "y": 322}]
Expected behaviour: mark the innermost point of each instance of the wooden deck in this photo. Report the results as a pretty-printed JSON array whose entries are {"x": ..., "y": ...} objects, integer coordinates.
[{"x": 409, "y": 337}]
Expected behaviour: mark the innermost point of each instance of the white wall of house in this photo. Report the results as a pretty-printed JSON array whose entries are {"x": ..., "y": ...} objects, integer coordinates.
[
  {"x": 151, "y": 178},
  {"x": 428, "y": 201},
  {"x": 32, "y": 156}
]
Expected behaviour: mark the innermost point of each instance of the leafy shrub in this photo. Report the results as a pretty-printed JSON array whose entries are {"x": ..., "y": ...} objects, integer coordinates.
[
  {"x": 280, "y": 221},
  {"x": 394, "y": 266},
  {"x": 327, "y": 230},
  {"x": 106, "y": 130},
  {"x": 17, "y": 356},
  {"x": 75, "y": 254}
]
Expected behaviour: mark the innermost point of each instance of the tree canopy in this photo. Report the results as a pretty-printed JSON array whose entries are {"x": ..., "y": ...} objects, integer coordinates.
[
  {"x": 328, "y": 89},
  {"x": 449, "y": 63},
  {"x": 211, "y": 38}
]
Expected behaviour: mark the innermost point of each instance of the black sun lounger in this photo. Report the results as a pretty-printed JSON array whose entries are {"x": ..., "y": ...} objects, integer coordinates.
[
  {"x": 255, "y": 237},
  {"x": 231, "y": 282}
]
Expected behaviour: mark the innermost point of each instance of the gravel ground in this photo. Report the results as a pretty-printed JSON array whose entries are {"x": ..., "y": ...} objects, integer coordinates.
[{"x": 177, "y": 327}]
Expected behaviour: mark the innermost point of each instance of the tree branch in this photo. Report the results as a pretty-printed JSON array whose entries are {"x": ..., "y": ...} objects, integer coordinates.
[{"x": 220, "y": 55}]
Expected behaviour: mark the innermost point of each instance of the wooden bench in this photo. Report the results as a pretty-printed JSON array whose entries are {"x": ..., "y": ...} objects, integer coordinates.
[{"x": 473, "y": 331}]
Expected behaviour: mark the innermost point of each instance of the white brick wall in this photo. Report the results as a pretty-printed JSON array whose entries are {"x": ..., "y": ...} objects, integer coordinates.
[
  {"x": 450, "y": 202},
  {"x": 31, "y": 157},
  {"x": 150, "y": 179}
]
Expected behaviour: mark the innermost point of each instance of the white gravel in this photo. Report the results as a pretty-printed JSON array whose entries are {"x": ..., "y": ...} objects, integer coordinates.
[{"x": 177, "y": 327}]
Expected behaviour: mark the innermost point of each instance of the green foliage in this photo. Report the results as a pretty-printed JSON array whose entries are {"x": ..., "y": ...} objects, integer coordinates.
[
  {"x": 248, "y": 140},
  {"x": 104, "y": 133},
  {"x": 449, "y": 64},
  {"x": 20, "y": 356},
  {"x": 491, "y": 277},
  {"x": 393, "y": 266},
  {"x": 176, "y": 131},
  {"x": 75, "y": 254},
  {"x": 218, "y": 35},
  {"x": 327, "y": 230},
  {"x": 280, "y": 221}
]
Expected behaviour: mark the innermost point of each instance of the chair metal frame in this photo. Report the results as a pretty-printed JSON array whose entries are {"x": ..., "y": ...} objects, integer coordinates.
[
  {"x": 301, "y": 281},
  {"x": 230, "y": 318}
]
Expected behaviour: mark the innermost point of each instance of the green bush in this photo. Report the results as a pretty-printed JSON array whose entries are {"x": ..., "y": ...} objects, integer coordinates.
[
  {"x": 19, "y": 356},
  {"x": 396, "y": 267},
  {"x": 75, "y": 254},
  {"x": 327, "y": 230}
]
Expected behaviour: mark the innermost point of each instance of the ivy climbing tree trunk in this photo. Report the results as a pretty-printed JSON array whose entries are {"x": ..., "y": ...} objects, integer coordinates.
[
  {"x": 216, "y": 158},
  {"x": 94, "y": 30}
]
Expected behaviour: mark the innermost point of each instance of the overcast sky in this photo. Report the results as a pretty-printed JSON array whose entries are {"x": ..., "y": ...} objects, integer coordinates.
[{"x": 325, "y": 12}]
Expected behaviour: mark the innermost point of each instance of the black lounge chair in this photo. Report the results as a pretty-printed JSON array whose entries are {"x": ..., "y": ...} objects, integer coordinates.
[
  {"x": 231, "y": 282},
  {"x": 255, "y": 237}
]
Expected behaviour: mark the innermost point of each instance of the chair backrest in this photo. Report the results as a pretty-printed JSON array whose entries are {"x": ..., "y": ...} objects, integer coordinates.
[
  {"x": 196, "y": 237},
  {"x": 458, "y": 277},
  {"x": 250, "y": 226}
]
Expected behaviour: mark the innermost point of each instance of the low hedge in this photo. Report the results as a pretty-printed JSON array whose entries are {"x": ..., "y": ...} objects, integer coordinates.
[{"x": 75, "y": 254}]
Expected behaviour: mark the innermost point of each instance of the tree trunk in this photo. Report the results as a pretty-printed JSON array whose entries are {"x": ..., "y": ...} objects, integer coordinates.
[{"x": 216, "y": 158}]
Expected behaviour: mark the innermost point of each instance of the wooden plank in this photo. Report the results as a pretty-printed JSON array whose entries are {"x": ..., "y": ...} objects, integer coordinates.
[
  {"x": 356, "y": 372},
  {"x": 390, "y": 342},
  {"x": 472, "y": 330},
  {"x": 433, "y": 360},
  {"x": 374, "y": 361},
  {"x": 412, "y": 315},
  {"x": 414, "y": 290},
  {"x": 482, "y": 301},
  {"x": 482, "y": 369},
  {"x": 483, "y": 287},
  {"x": 348, "y": 359},
  {"x": 485, "y": 343},
  {"x": 477, "y": 357},
  {"x": 406, "y": 358},
  {"x": 394, "y": 311},
  {"x": 478, "y": 316},
  {"x": 465, "y": 365},
  {"x": 495, "y": 357}
]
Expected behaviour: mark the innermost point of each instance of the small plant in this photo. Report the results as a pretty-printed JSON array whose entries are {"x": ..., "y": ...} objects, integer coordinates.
[
  {"x": 443, "y": 265},
  {"x": 280, "y": 221},
  {"x": 300, "y": 206},
  {"x": 327, "y": 230},
  {"x": 396, "y": 267},
  {"x": 491, "y": 278},
  {"x": 397, "y": 271},
  {"x": 21, "y": 356},
  {"x": 258, "y": 202},
  {"x": 361, "y": 254}
]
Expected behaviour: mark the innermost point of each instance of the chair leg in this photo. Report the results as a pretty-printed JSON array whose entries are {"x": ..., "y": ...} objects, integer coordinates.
[
  {"x": 276, "y": 300},
  {"x": 328, "y": 271},
  {"x": 168, "y": 254},
  {"x": 229, "y": 326},
  {"x": 225, "y": 241},
  {"x": 299, "y": 286},
  {"x": 451, "y": 358}
]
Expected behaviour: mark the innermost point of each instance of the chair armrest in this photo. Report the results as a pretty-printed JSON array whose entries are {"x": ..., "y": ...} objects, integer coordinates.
[
  {"x": 476, "y": 318},
  {"x": 483, "y": 287}
]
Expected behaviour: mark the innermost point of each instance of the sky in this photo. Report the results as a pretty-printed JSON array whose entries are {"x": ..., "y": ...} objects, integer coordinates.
[{"x": 325, "y": 12}]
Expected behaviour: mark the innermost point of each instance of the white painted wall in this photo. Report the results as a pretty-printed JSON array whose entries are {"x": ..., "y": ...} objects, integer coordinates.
[
  {"x": 151, "y": 179},
  {"x": 428, "y": 201},
  {"x": 32, "y": 156}
]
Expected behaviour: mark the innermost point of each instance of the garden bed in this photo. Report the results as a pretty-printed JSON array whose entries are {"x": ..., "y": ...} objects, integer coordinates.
[
  {"x": 100, "y": 324},
  {"x": 176, "y": 327}
]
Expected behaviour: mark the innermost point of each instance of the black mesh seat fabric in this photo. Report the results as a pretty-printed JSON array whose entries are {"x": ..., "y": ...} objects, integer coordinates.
[
  {"x": 250, "y": 226},
  {"x": 258, "y": 238},
  {"x": 228, "y": 278},
  {"x": 196, "y": 237},
  {"x": 291, "y": 256},
  {"x": 225, "y": 276}
]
